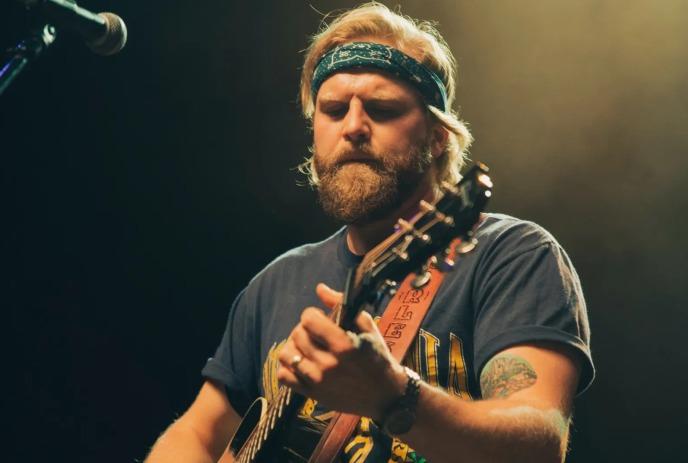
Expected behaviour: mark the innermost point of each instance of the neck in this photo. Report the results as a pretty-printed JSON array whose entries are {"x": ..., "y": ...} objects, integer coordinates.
[{"x": 361, "y": 238}]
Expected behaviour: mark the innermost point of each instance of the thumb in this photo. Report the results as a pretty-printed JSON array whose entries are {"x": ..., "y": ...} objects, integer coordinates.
[
  {"x": 365, "y": 323},
  {"x": 329, "y": 296},
  {"x": 371, "y": 337}
]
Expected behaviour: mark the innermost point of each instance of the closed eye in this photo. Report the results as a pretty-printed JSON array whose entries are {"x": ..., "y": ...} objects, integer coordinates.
[
  {"x": 336, "y": 113},
  {"x": 383, "y": 113},
  {"x": 333, "y": 109}
]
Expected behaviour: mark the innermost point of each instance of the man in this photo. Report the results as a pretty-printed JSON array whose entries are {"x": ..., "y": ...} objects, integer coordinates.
[{"x": 504, "y": 346}]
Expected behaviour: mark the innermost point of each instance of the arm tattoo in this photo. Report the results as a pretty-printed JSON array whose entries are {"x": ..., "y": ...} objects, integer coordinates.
[{"x": 505, "y": 374}]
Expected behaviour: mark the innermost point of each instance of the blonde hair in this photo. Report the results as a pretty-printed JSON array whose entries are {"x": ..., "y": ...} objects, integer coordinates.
[{"x": 418, "y": 39}]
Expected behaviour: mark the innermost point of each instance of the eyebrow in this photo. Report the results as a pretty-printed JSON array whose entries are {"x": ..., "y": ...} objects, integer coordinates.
[{"x": 325, "y": 101}]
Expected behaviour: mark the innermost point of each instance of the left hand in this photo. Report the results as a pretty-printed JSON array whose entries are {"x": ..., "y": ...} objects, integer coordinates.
[{"x": 319, "y": 360}]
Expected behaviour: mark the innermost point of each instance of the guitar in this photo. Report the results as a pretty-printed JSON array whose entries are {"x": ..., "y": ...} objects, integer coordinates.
[{"x": 266, "y": 430}]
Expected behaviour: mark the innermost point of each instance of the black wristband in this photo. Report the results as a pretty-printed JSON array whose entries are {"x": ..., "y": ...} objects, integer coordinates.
[{"x": 400, "y": 416}]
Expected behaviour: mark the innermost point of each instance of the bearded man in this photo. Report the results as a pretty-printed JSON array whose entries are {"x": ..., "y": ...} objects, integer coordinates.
[{"x": 503, "y": 349}]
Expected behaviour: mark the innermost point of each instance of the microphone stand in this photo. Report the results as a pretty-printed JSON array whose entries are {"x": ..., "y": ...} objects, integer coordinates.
[{"x": 24, "y": 52}]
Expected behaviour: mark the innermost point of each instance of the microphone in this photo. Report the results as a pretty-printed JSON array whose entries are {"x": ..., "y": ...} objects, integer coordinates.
[{"x": 105, "y": 33}]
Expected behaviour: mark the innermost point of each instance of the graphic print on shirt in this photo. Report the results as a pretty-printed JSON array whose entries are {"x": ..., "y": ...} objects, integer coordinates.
[
  {"x": 457, "y": 383},
  {"x": 271, "y": 384},
  {"x": 426, "y": 356}
]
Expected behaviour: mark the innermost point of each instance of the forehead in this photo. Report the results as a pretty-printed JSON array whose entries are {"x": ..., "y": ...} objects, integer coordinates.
[{"x": 367, "y": 83}]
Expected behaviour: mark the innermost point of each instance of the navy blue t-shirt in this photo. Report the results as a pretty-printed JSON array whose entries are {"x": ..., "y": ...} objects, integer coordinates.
[{"x": 518, "y": 285}]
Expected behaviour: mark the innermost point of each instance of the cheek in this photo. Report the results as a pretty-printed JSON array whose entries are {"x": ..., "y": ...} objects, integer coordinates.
[
  {"x": 325, "y": 137},
  {"x": 399, "y": 139},
  {"x": 406, "y": 131}
]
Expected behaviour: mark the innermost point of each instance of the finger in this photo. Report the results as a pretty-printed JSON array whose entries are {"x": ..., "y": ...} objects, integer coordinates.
[
  {"x": 328, "y": 296},
  {"x": 307, "y": 373},
  {"x": 300, "y": 369},
  {"x": 287, "y": 353},
  {"x": 370, "y": 336},
  {"x": 324, "y": 331},
  {"x": 293, "y": 361},
  {"x": 289, "y": 378},
  {"x": 366, "y": 323},
  {"x": 313, "y": 349}
]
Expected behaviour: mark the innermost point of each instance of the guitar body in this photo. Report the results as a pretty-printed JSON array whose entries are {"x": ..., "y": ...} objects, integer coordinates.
[
  {"x": 291, "y": 440},
  {"x": 249, "y": 422}
]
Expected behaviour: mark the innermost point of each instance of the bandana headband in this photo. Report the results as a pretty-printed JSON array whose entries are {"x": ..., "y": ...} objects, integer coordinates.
[{"x": 357, "y": 55}]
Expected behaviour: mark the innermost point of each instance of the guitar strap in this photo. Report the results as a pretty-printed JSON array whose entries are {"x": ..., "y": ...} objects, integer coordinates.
[{"x": 399, "y": 325}]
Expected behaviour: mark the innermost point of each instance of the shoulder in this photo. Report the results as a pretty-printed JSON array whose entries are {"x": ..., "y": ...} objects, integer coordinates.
[
  {"x": 502, "y": 237},
  {"x": 526, "y": 290},
  {"x": 308, "y": 253},
  {"x": 506, "y": 229},
  {"x": 291, "y": 265},
  {"x": 510, "y": 248}
]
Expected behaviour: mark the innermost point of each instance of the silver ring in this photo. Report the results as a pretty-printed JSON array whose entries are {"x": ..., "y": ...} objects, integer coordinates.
[{"x": 295, "y": 360}]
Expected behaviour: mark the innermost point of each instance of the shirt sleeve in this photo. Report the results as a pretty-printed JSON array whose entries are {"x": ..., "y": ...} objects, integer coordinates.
[
  {"x": 529, "y": 291},
  {"x": 233, "y": 363}
]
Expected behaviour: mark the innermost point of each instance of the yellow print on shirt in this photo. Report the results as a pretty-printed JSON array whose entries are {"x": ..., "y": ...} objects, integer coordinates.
[
  {"x": 271, "y": 384},
  {"x": 423, "y": 357},
  {"x": 361, "y": 443},
  {"x": 270, "y": 367},
  {"x": 458, "y": 377}
]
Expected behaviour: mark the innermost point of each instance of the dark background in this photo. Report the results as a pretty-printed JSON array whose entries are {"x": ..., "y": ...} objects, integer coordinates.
[{"x": 141, "y": 192}]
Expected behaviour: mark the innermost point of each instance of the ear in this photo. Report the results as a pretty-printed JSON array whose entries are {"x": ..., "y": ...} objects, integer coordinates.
[{"x": 438, "y": 140}]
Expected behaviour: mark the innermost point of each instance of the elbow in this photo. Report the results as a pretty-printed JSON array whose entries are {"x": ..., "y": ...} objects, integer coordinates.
[
  {"x": 551, "y": 439},
  {"x": 541, "y": 436}
]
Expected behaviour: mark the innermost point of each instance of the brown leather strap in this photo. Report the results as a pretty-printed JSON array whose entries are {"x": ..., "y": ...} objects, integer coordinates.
[
  {"x": 402, "y": 318},
  {"x": 399, "y": 325},
  {"x": 340, "y": 428}
]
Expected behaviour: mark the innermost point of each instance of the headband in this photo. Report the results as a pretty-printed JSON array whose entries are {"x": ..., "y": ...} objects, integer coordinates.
[{"x": 356, "y": 55}]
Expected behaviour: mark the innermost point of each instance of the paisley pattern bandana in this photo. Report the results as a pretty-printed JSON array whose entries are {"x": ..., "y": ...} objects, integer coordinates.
[{"x": 357, "y": 55}]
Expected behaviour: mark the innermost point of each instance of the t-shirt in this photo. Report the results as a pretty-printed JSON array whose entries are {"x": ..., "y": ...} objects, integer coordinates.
[{"x": 518, "y": 285}]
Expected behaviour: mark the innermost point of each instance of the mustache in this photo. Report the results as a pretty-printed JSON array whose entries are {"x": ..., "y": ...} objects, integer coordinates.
[{"x": 363, "y": 154}]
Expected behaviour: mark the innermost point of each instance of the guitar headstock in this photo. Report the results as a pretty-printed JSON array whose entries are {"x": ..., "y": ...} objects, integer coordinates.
[{"x": 429, "y": 234}]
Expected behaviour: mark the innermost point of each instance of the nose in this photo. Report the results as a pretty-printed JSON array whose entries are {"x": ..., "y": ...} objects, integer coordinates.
[{"x": 356, "y": 123}]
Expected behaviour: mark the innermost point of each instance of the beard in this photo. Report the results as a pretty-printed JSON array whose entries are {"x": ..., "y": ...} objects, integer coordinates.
[{"x": 364, "y": 191}]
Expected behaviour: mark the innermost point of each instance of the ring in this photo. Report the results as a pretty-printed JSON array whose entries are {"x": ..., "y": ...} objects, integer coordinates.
[{"x": 295, "y": 360}]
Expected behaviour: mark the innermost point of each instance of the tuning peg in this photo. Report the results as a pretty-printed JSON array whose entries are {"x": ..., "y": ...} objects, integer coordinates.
[
  {"x": 466, "y": 245},
  {"x": 485, "y": 180},
  {"x": 403, "y": 225},
  {"x": 386, "y": 288},
  {"x": 389, "y": 287},
  {"x": 403, "y": 255},
  {"x": 443, "y": 262},
  {"x": 448, "y": 188},
  {"x": 446, "y": 264},
  {"x": 426, "y": 206},
  {"x": 408, "y": 227},
  {"x": 422, "y": 278}
]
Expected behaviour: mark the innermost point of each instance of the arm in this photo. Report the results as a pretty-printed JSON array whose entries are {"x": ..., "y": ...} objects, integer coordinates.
[
  {"x": 524, "y": 414},
  {"x": 201, "y": 434}
]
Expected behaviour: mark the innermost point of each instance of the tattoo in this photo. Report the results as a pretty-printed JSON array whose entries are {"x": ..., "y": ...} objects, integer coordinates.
[{"x": 505, "y": 374}]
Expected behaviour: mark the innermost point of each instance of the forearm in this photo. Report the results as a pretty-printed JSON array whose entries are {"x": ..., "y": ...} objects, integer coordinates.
[
  {"x": 180, "y": 443},
  {"x": 528, "y": 391},
  {"x": 485, "y": 431}
]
